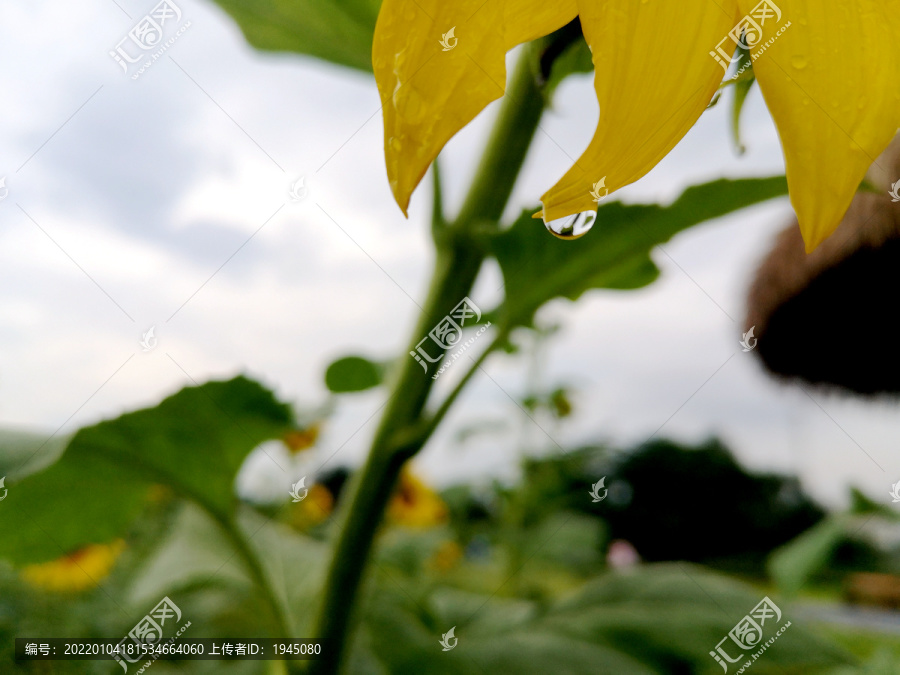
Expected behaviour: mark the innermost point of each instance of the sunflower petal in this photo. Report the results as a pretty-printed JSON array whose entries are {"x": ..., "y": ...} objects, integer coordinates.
[
  {"x": 432, "y": 83},
  {"x": 654, "y": 77},
  {"x": 830, "y": 83}
]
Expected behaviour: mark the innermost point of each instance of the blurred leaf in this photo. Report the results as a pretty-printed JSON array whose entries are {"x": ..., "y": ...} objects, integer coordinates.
[
  {"x": 884, "y": 661},
  {"x": 194, "y": 441},
  {"x": 571, "y": 539},
  {"x": 542, "y": 651},
  {"x": 478, "y": 428},
  {"x": 673, "y": 614},
  {"x": 353, "y": 373},
  {"x": 24, "y": 452},
  {"x": 559, "y": 400},
  {"x": 295, "y": 563},
  {"x": 196, "y": 552},
  {"x": 616, "y": 252},
  {"x": 651, "y": 619},
  {"x": 861, "y": 505},
  {"x": 339, "y": 31},
  {"x": 792, "y": 565},
  {"x": 199, "y": 554}
]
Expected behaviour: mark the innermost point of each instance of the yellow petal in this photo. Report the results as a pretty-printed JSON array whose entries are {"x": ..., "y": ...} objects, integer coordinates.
[
  {"x": 432, "y": 84},
  {"x": 830, "y": 81},
  {"x": 654, "y": 77},
  {"x": 414, "y": 504},
  {"x": 77, "y": 571}
]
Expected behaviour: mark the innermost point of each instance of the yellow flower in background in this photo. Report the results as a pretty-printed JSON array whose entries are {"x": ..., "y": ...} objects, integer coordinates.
[
  {"x": 446, "y": 557},
  {"x": 77, "y": 571},
  {"x": 314, "y": 509},
  {"x": 301, "y": 439},
  {"x": 414, "y": 504},
  {"x": 827, "y": 70}
]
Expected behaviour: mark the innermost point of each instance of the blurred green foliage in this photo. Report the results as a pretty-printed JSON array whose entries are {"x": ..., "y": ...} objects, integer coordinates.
[
  {"x": 519, "y": 569},
  {"x": 339, "y": 31}
]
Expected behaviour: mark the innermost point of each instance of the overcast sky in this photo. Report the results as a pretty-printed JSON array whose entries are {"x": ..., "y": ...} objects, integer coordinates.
[{"x": 163, "y": 201}]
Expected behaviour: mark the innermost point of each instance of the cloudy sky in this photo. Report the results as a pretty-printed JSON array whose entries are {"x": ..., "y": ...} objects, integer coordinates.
[{"x": 163, "y": 202}]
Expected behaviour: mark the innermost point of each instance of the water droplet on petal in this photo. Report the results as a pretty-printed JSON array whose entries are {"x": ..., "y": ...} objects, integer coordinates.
[
  {"x": 572, "y": 227},
  {"x": 396, "y": 144},
  {"x": 409, "y": 104},
  {"x": 799, "y": 62}
]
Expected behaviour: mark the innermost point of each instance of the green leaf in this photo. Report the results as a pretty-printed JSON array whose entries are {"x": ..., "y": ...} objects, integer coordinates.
[
  {"x": 195, "y": 552},
  {"x": 792, "y": 565},
  {"x": 541, "y": 651},
  {"x": 24, "y": 452},
  {"x": 676, "y": 613},
  {"x": 194, "y": 441},
  {"x": 198, "y": 554},
  {"x": 339, "y": 31},
  {"x": 650, "y": 619},
  {"x": 615, "y": 254},
  {"x": 353, "y": 373}
]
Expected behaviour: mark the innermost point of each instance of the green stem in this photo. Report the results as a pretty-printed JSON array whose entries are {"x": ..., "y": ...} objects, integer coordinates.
[
  {"x": 458, "y": 262},
  {"x": 507, "y": 146}
]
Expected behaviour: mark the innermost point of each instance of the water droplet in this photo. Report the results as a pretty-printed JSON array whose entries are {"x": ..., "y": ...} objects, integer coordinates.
[
  {"x": 799, "y": 62},
  {"x": 396, "y": 144},
  {"x": 409, "y": 104},
  {"x": 572, "y": 227}
]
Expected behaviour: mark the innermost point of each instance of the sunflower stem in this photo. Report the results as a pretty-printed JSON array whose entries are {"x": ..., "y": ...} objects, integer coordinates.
[{"x": 397, "y": 439}]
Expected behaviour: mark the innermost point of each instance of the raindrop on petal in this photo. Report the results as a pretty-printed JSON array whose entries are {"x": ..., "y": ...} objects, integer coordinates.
[{"x": 572, "y": 227}]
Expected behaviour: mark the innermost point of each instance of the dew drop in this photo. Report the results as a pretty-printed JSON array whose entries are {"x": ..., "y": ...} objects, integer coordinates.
[
  {"x": 799, "y": 62},
  {"x": 396, "y": 144},
  {"x": 572, "y": 227},
  {"x": 409, "y": 104}
]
